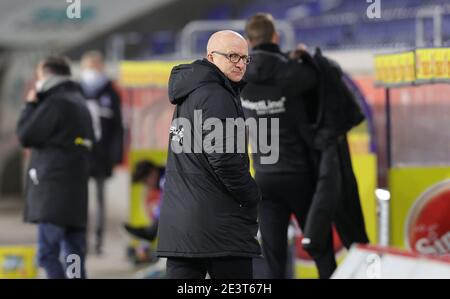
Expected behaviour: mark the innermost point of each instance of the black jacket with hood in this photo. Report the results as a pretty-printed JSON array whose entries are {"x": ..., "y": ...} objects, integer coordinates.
[
  {"x": 210, "y": 199},
  {"x": 318, "y": 112},
  {"x": 279, "y": 88},
  {"x": 58, "y": 129}
]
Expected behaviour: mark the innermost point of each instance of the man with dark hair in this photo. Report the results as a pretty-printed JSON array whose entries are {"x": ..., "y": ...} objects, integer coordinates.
[
  {"x": 287, "y": 186},
  {"x": 104, "y": 103},
  {"x": 57, "y": 65},
  {"x": 56, "y": 124}
]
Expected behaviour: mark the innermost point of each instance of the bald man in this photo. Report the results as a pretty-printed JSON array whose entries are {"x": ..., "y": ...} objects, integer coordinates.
[{"x": 208, "y": 214}]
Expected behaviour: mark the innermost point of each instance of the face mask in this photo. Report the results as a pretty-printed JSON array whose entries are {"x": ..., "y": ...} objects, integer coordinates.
[
  {"x": 39, "y": 84},
  {"x": 91, "y": 76}
]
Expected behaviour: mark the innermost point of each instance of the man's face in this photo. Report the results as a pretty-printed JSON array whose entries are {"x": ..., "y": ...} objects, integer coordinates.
[
  {"x": 92, "y": 64},
  {"x": 40, "y": 73},
  {"x": 152, "y": 179},
  {"x": 233, "y": 71}
]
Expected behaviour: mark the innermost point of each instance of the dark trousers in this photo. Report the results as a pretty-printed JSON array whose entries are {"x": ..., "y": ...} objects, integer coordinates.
[
  {"x": 282, "y": 196},
  {"x": 100, "y": 217},
  {"x": 56, "y": 242},
  {"x": 217, "y": 268}
]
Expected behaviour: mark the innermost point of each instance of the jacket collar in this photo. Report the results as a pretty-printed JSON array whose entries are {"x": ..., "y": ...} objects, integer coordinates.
[
  {"x": 62, "y": 86},
  {"x": 270, "y": 47}
]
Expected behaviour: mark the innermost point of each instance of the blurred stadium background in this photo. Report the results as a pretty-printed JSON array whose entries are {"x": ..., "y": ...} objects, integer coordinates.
[{"x": 141, "y": 40}]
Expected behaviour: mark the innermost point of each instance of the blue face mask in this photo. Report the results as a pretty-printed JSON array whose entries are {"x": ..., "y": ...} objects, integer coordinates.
[{"x": 92, "y": 80}]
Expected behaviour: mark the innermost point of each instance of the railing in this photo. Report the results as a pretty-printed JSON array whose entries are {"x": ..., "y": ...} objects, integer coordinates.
[
  {"x": 187, "y": 40},
  {"x": 434, "y": 13}
]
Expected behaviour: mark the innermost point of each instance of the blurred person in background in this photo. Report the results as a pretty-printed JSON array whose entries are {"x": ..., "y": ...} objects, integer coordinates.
[
  {"x": 287, "y": 186},
  {"x": 313, "y": 178},
  {"x": 208, "y": 222},
  {"x": 105, "y": 105},
  {"x": 152, "y": 176},
  {"x": 56, "y": 125}
]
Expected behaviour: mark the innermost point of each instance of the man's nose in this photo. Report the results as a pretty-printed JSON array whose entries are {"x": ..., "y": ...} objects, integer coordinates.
[{"x": 240, "y": 64}]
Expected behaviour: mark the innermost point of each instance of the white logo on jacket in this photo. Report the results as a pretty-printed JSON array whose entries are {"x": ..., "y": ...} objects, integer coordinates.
[
  {"x": 33, "y": 176},
  {"x": 230, "y": 135},
  {"x": 265, "y": 107}
]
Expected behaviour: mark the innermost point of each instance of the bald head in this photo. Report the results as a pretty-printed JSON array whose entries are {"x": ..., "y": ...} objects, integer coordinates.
[
  {"x": 223, "y": 43},
  {"x": 221, "y": 40}
]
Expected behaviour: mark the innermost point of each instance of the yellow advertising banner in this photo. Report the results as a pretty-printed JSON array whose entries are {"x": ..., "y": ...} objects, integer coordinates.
[
  {"x": 395, "y": 69},
  {"x": 408, "y": 67},
  {"x": 441, "y": 64},
  {"x": 419, "y": 208},
  {"x": 425, "y": 65},
  {"x": 18, "y": 262},
  {"x": 447, "y": 63},
  {"x": 421, "y": 66},
  {"x": 146, "y": 73},
  {"x": 381, "y": 69}
]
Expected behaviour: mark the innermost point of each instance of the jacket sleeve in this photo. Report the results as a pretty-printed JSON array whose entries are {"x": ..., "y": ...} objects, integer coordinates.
[
  {"x": 36, "y": 123},
  {"x": 117, "y": 140},
  {"x": 306, "y": 77},
  {"x": 324, "y": 202},
  {"x": 231, "y": 168}
]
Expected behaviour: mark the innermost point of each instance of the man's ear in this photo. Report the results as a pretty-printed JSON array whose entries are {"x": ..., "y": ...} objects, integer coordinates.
[
  {"x": 276, "y": 38},
  {"x": 209, "y": 57}
]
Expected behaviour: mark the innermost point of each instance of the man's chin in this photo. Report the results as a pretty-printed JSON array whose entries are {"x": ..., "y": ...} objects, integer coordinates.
[{"x": 236, "y": 78}]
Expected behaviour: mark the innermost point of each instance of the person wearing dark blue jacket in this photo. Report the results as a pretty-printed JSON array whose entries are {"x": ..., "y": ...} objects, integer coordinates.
[{"x": 208, "y": 219}]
